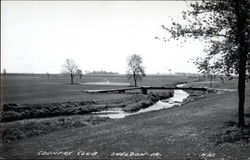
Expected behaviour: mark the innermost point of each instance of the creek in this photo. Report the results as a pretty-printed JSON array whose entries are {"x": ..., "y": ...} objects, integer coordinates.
[{"x": 177, "y": 99}]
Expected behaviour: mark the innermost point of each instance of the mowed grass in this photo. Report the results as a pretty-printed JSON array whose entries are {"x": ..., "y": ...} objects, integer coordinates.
[
  {"x": 216, "y": 83},
  {"x": 186, "y": 132},
  {"x": 37, "y": 105},
  {"x": 34, "y": 88}
]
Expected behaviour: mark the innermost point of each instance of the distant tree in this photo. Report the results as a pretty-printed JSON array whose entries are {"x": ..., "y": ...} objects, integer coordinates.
[
  {"x": 4, "y": 72},
  {"x": 79, "y": 73},
  {"x": 224, "y": 26},
  {"x": 48, "y": 75},
  {"x": 100, "y": 72},
  {"x": 135, "y": 68},
  {"x": 205, "y": 68},
  {"x": 86, "y": 72},
  {"x": 69, "y": 67}
]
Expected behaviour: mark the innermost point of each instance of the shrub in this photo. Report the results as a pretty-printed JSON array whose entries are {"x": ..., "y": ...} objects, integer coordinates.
[{"x": 11, "y": 115}]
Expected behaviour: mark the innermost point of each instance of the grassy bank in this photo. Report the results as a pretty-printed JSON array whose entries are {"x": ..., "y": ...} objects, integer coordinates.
[
  {"x": 14, "y": 112},
  {"x": 150, "y": 100},
  {"x": 131, "y": 103},
  {"x": 34, "y": 127}
]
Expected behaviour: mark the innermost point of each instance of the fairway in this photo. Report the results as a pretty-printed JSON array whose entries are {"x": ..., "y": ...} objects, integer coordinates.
[{"x": 38, "y": 88}]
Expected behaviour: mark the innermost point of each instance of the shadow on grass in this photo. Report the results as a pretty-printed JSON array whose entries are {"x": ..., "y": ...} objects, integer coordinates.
[{"x": 231, "y": 133}]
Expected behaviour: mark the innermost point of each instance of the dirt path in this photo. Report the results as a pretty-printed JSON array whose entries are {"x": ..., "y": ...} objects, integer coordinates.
[{"x": 177, "y": 133}]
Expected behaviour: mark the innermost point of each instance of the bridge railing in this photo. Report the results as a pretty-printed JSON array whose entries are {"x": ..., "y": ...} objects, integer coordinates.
[{"x": 144, "y": 89}]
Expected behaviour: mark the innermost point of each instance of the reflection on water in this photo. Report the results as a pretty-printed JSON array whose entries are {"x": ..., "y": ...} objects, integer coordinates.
[
  {"x": 177, "y": 99},
  {"x": 114, "y": 113}
]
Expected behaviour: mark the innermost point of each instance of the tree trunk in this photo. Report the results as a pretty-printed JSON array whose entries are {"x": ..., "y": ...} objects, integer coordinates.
[
  {"x": 241, "y": 91},
  {"x": 71, "y": 78},
  {"x": 243, "y": 50},
  {"x": 241, "y": 83},
  {"x": 135, "y": 79},
  {"x": 211, "y": 80}
]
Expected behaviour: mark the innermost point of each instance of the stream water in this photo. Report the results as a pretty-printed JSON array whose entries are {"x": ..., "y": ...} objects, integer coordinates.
[{"x": 177, "y": 99}]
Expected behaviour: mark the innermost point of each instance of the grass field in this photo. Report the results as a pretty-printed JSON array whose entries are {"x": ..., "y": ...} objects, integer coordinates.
[
  {"x": 36, "y": 96},
  {"x": 52, "y": 108},
  {"x": 34, "y": 88},
  {"x": 200, "y": 129},
  {"x": 35, "y": 100}
]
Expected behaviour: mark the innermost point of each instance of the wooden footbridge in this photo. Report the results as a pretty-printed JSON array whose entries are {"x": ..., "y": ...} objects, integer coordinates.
[{"x": 144, "y": 89}]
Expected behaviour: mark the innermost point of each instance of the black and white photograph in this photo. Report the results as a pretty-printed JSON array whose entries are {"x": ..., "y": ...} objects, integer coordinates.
[{"x": 125, "y": 80}]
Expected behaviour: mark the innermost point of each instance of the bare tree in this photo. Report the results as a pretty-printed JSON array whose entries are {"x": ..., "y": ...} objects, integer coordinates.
[
  {"x": 70, "y": 68},
  {"x": 135, "y": 68},
  {"x": 4, "y": 72},
  {"x": 48, "y": 75},
  {"x": 79, "y": 73}
]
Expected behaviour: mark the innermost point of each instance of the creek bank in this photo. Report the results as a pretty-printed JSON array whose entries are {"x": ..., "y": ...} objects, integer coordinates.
[
  {"x": 156, "y": 101},
  {"x": 13, "y": 112},
  {"x": 34, "y": 127},
  {"x": 145, "y": 103},
  {"x": 26, "y": 120}
]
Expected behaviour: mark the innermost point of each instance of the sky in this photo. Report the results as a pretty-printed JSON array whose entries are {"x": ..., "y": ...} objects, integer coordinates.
[{"x": 38, "y": 36}]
